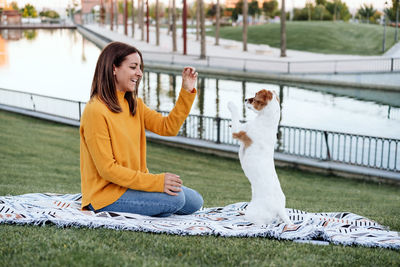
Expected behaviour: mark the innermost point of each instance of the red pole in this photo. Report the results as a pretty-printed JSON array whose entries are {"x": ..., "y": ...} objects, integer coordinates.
[
  {"x": 147, "y": 21},
  {"x": 184, "y": 18},
  {"x": 126, "y": 17}
]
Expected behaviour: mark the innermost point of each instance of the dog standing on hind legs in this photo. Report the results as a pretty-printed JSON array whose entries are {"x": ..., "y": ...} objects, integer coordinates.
[{"x": 257, "y": 142}]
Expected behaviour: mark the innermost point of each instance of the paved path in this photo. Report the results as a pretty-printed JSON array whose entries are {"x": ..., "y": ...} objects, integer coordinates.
[
  {"x": 259, "y": 58},
  {"x": 227, "y": 48}
]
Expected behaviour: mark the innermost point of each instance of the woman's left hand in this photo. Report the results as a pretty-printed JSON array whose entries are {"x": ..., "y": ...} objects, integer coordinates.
[{"x": 189, "y": 78}]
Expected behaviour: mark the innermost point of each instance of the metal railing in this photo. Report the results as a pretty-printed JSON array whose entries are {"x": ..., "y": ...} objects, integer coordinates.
[{"x": 368, "y": 151}]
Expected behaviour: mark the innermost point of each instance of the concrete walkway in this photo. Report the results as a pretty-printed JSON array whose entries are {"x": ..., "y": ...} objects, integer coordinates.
[{"x": 262, "y": 59}]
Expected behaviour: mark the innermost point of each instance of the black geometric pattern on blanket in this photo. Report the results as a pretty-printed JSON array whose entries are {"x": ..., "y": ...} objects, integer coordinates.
[{"x": 64, "y": 210}]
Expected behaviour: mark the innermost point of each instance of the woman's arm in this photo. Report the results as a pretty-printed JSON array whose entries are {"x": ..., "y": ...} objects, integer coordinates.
[{"x": 170, "y": 125}]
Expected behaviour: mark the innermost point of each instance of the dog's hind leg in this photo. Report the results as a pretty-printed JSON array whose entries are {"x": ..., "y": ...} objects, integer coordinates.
[{"x": 284, "y": 217}]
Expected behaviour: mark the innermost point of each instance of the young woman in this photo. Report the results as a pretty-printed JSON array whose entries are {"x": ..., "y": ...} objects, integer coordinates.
[{"x": 114, "y": 174}]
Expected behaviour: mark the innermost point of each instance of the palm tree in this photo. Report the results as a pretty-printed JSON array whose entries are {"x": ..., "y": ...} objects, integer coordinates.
[
  {"x": 126, "y": 17},
  {"x": 197, "y": 19},
  {"x": 157, "y": 24},
  {"x": 203, "y": 31},
  {"x": 174, "y": 49},
  {"x": 112, "y": 15},
  {"x": 133, "y": 18},
  {"x": 217, "y": 15},
  {"x": 283, "y": 30},
  {"x": 244, "y": 34},
  {"x": 366, "y": 11},
  {"x": 142, "y": 19}
]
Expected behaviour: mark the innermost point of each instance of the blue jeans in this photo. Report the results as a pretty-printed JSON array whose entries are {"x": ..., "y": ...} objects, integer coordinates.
[{"x": 157, "y": 204}]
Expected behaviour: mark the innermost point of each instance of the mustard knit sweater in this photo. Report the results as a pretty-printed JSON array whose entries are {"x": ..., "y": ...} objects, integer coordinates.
[{"x": 113, "y": 147}]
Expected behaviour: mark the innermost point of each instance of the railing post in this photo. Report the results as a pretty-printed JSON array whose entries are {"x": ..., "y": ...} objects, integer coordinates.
[
  {"x": 208, "y": 61},
  {"x": 244, "y": 65},
  {"x": 79, "y": 103},
  {"x": 335, "y": 67},
  {"x": 288, "y": 67},
  {"x": 391, "y": 64},
  {"x": 218, "y": 130},
  {"x": 172, "y": 60},
  {"x": 327, "y": 146}
]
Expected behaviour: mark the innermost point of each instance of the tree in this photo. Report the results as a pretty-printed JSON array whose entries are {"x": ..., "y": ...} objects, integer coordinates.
[
  {"x": 237, "y": 10},
  {"x": 244, "y": 33},
  {"x": 339, "y": 10},
  {"x": 202, "y": 30},
  {"x": 197, "y": 19},
  {"x": 212, "y": 10},
  {"x": 254, "y": 9},
  {"x": 283, "y": 29},
  {"x": 14, "y": 5},
  {"x": 133, "y": 17},
  {"x": 29, "y": 11},
  {"x": 366, "y": 12},
  {"x": 217, "y": 15},
  {"x": 320, "y": 2},
  {"x": 49, "y": 14},
  {"x": 270, "y": 8},
  {"x": 157, "y": 23},
  {"x": 319, "y": 12},
  {"x": 391, "y": 12},
  {"x": 174, "y": 49}
]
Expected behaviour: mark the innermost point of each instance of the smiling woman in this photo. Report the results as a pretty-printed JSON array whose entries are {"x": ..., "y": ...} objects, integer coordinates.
[{"x": 114, "y": 175}]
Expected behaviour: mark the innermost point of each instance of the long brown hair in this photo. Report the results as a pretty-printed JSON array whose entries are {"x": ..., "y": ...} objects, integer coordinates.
[{"x": 103, "y": 84}]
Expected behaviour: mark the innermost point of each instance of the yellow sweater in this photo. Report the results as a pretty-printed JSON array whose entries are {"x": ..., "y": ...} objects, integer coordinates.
[{"x": 113, "y": 147}]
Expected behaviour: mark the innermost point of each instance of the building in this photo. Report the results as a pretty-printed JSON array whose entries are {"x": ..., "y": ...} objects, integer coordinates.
[
  {"x": 12, "y": 17},
  {"x": 87, "y": 5}
]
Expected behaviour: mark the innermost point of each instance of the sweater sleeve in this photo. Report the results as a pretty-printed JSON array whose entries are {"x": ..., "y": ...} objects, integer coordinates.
[
  {"x": 98, "y": 142},
  {"x": 170, "y": 125}
]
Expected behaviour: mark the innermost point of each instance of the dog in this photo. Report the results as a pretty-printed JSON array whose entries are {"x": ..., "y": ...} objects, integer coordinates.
[{"x": 256, "y": 153}]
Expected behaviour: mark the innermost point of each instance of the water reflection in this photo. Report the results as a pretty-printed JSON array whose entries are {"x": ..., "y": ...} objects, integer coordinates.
[
  {"x": 30, "y": 34},
  {"x": 299, "y": 107},
  {"x": 38, "y": 65}
]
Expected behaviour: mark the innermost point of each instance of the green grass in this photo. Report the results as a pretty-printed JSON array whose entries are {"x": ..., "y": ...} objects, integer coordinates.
[
  {"x": 320, "y": 37},
  {"x": 40, "y": 156}
]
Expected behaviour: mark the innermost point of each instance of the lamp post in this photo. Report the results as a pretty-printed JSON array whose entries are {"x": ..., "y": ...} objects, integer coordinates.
[{"x": 384, "y": 28}]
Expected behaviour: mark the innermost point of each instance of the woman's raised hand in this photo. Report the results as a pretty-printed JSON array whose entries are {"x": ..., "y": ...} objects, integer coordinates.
[
  {"x": 189, "y": 78},
  {"x": 172, "y": 184}
]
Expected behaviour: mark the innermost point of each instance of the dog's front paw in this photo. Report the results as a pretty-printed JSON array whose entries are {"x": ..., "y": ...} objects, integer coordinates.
[{"x": 232, "y": 107}]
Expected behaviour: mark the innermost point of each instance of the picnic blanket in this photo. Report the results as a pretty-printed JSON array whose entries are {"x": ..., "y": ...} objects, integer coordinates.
[{"x": 64, "y": 210}]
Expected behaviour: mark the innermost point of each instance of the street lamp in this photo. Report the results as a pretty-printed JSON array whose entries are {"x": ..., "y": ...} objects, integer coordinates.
[{"x": 384, "y": 27}]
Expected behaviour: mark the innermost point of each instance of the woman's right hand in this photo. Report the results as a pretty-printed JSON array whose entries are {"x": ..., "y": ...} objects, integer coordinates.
[{"x": 172, "y": 184}]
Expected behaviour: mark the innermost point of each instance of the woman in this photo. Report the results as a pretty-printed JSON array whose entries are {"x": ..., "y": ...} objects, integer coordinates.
[{"x": 114, "y": 175}]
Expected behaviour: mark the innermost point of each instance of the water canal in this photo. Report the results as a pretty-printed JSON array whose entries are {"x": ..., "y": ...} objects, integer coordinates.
[{"x": 60, "y": 63}]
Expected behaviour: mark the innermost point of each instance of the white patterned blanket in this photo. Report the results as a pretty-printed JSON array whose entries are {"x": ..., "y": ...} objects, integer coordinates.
[{"x": 319, "y": 228}]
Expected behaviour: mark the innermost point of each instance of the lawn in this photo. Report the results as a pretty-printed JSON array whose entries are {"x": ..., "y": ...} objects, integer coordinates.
[
  {"x": 319, "y": 37},
  {"x": 40, "y": 156}
]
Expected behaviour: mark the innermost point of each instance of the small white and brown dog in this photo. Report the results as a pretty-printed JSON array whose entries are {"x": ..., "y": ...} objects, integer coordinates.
[{"x": 257, "y": 141}]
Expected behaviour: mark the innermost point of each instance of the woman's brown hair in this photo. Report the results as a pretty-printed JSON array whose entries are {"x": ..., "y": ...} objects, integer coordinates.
[{"x": 103, "y": 85}]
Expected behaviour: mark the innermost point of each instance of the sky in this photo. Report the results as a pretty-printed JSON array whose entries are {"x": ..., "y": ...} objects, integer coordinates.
[{"x": 60, "y": 5}]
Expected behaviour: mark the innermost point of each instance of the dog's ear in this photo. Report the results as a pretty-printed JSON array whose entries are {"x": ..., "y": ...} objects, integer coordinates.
[{"x": 265, "y": 95}]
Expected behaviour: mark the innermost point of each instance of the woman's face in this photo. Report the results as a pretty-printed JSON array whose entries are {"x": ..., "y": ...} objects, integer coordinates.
[{"x": 128, "y": 75}]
